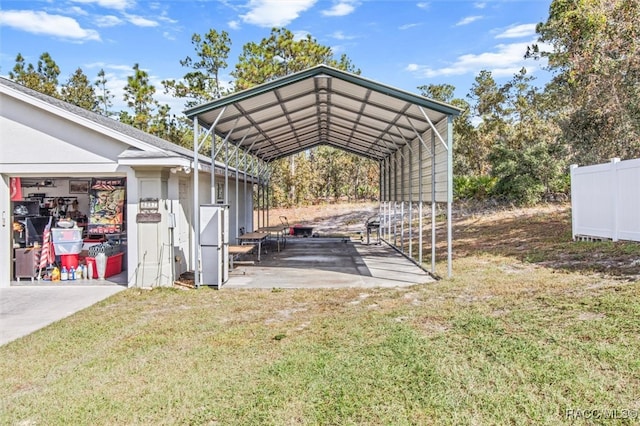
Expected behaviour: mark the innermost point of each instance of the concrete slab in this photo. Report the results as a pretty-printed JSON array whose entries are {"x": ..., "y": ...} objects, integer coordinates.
[
  {"x": 27, "y": 308},
  {"x": 328, "y": 263}
]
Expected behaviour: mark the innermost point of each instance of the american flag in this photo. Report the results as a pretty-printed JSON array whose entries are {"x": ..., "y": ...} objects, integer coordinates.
[{"x": 47, "y": 255}]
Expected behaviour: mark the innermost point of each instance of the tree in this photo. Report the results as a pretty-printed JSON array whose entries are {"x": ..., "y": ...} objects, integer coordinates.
[
  {"x": 79, "y": 91},
  {"x": 527, "y": 160},
  {"x": 104, "y": 95},
  {"x": 281, "y": 54},
  {"x": 138, "y": 93},
  {"x": 44, "y": 78},
  {"x": 202, "y": 83},
  {"x": 489, "y": 107},
  {"x": 596, "y": 60}
]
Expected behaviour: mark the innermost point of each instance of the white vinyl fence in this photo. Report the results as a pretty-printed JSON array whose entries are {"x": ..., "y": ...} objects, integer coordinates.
[{"x": 605, "y": 200}]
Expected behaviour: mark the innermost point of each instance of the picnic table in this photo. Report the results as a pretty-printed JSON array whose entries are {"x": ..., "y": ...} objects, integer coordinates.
[
  {"x": 255, "y": 238},
  {"x": 238, "y": 250},
  {"x": 279, "y": 231}
]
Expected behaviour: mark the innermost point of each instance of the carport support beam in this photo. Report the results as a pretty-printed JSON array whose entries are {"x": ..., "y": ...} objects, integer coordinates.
[
  {"x": 420, "y": 201},
  {"x": 449, "y": 195},
  {"x": 433, "y": 203}
]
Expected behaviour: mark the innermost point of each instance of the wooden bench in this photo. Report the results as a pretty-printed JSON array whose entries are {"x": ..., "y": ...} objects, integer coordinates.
[{"x": 236, "y": 251}]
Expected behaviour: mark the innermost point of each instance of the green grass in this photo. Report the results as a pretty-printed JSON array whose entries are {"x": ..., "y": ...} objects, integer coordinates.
[{"x": 504, "y": 341}]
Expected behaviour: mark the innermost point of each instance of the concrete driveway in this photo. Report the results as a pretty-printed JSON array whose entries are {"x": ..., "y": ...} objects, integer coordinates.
[{"x": 25, "y": 309}]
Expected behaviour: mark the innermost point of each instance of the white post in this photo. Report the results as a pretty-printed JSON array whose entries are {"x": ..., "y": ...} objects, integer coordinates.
[
  {"x": 420, "y": 202},
  {"x": 449, "y": 195},
  {"x": 616, "y": 203},
  {"x": 433, "y": 202},
  {"x": 402, "y": 226},
  {"x": 195, "y": 257},
  {"x": 574, "y": 207}
]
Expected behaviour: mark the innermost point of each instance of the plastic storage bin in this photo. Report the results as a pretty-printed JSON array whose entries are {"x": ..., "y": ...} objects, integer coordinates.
[
  {"x": 114, "y": 265},
  {"x": 72, "y": 247},
  {"x": 66, "y": 235}
]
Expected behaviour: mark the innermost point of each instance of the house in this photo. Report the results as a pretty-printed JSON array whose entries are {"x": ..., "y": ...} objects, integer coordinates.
[{"x": 54, "y": 153}]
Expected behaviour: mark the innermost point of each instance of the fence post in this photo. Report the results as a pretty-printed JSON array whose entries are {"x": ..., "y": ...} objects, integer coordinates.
[
  {"x": 574, "y": 199},
  {"x": 616, "y": 194}
]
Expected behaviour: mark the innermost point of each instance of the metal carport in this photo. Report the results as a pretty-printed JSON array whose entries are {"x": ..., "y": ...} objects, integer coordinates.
[{"x": 409, "y": 135}]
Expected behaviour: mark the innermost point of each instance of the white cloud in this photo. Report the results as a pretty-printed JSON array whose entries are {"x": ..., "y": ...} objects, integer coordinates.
[
  {"x": 480, "y": 5},
  {"x": 164, "y": 17},
  {"x": 234, "y": 25},
  {"x": 517, "y": 31},
  {"x": 467, "y": 20},
  {"x": 75, "y": 10},
  {"x": 275, "y": 13},
  {"x": 423, "y": 5},
  {"x": 114, "y": 67},
  {"x": 46, "y": 24},
  {"x": 109, "y": 4},
  {"x": 300, "y": 35},
  {"x": 108, "y": 21},
  {"x": 506, "y": 60},
  {"x": 339, "y": 35},
  {"x": 140, "y": 21},
  {"x": 338, "y": 49},
  {"x": 341, "y": 8},
  {"x": 407, "y": 26}
]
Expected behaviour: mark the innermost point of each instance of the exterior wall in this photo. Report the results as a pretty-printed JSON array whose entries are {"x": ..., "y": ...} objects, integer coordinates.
[
  {"x": 417, "y": 166},
  {"x": 154, "y": 251},
  {"x": 49, "y": 144}
]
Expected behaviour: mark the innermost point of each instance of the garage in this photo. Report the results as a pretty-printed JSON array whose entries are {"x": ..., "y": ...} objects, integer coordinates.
[
  {"x": 99, "y": 184},
  {"x": 77, "y": 217}
]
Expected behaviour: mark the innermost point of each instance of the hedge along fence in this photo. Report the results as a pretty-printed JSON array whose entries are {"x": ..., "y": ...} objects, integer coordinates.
[{"x": 605, "y": 200}]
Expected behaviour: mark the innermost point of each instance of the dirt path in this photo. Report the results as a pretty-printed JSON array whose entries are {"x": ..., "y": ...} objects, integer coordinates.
[{"x": 328, "y": 219}]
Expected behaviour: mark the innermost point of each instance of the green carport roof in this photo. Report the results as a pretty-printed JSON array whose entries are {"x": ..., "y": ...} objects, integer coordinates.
[{"x": 321, "y": 106}]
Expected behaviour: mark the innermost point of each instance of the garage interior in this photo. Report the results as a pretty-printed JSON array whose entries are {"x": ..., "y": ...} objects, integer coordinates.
[{"x": 85, "y": 217}]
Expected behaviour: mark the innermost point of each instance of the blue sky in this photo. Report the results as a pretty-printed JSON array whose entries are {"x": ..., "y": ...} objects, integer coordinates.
[{"x": 404, "y": 44}]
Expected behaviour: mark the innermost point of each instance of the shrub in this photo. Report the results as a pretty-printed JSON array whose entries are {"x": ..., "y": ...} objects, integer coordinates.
[{"x": 473, "y": 187}]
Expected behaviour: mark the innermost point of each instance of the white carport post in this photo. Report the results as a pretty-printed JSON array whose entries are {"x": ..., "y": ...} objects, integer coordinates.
[
  {"x": 402, "y": 194},
  {"x": 433, "y": 191},
  {"x": 420, "y": 200},
  {"x": 238, "y": 161},
  {"x": 195, "y": 257},
  {"x": 420, "y": 188},
  {"x": 433, "y": 203},
  {"x": 449, "y": 148},
  {"x": 449, "y": 195},
  {"x": 410, "y": 201},
  {"x": 410, "y": 180},
  {"x": 225, "y": 145}
]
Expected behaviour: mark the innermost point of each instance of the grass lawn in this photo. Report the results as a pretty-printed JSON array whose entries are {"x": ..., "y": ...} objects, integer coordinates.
[{"x": 532, "y": 329}]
